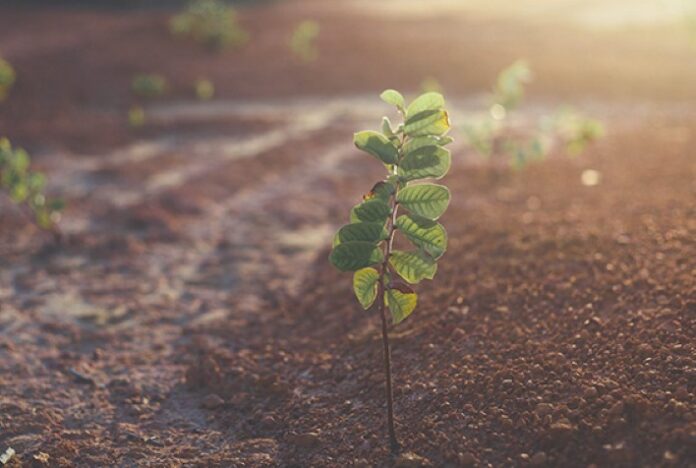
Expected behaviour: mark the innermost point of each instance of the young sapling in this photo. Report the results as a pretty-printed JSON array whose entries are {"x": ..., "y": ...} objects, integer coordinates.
[
  {"x": 211, "y": 23},
  {"x": 383, "y": 275},
  {"x": 302, "y": 42},
  {"x": 495, "y": 130},
  {"x": 149, "y": 85},
  {"x": 25, "y": 188}
]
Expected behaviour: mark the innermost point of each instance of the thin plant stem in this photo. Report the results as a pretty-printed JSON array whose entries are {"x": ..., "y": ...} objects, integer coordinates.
[{"x": 393, "y": 441}]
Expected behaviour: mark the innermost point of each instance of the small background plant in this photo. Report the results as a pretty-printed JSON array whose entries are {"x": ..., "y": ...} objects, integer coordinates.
[
  {"x": 204, "y": 88},
  {"x": 412, "y": 151},
  {"x": 7, "y": 78},
  {"x": 136, "y": 116},
  {"x": 211, "y": 23},
  {"x": 494, "y": 131},
  {"x": 149, "y": 85},
  {"x": 302, "y": 42},
  {"x": 26, "y": 188}
]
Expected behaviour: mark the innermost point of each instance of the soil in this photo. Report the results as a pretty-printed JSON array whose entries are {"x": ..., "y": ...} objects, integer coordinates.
[{"x": 190, "y": 316}]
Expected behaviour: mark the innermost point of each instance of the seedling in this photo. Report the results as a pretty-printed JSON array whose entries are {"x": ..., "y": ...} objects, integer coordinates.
[
  {"x": 508, "y": 91},
  {"x": 567, "y": 128},
  {"x": 149, "y": 85},
  {"x": 205, "y": 89},
  {"x": 575, "y": 131},
  {"x": 302, "y": 42},
  {"x": 413, "y": 151},
  {"x": 26, "y": 189},
  {"x": 211, "y": 23},
  {"x": 7, "y": 78},
  {"x": 507, "y": 94},
  {"x": 136, "y": 116}
]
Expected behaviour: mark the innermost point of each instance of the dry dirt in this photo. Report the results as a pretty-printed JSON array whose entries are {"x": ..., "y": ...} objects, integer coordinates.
[{"x": 191, "y": 318}]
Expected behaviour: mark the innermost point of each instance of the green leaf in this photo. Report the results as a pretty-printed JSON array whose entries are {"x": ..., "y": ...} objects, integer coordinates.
[
  {"x": 377, "y": 145},
  {"x": 429, "y": 122},
  {"x": 425, "y": 102},
  {"x": 370, "y": 232},
  {"x": 393, "y": 97},
  {"x": 382, "y": 190},
  {"x": 427, "y": 200},
  {"x": 365, "y": 286},
  {"x": 413, "y": 266},
  {"x": 412, "y": 144},
  {"x": 446, "y": 140},
  {"x": 387, "y": 128},
  {"x": 352, "y": 256},
  {"x": 21, "y": 161},
  {"x": 425, "y": 162},
  {"x": 36, "y": 181},
  {"x": 19, "y": 192},
  {"x": 424, "y": 233},
  {"x": 401, "y": 304},
  {"x": 370, "y": 211}
]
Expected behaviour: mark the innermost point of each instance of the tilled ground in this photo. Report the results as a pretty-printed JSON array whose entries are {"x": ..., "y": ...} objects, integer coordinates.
[{"x": 191, "y": 318}]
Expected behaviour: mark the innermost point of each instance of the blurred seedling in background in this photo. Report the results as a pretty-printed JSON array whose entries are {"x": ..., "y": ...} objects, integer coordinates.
[
  {"x": 574, "y": 131},
  {"x": 410, "y": 152},
  {"x": 25, "y": 188},
  {"x": 136, "y": 116},
  {"x": 494, "y": 132},
  {"x": 204, "y": 88},
  {"x": 507, "y": 94},
  {"x": 508, "y": 91},
  {"x": 7, "y": 78},
  {"x": 303, "y": 41},
  {"x": 149, "y": 85},
  {"x": 211, "y": 23}
]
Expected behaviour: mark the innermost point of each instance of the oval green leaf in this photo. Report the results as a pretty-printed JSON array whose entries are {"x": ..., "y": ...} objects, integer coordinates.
[
  {"x": 393, "y": 97},
  {"x": 425, "y": 162},
  {"x": 369, "y": 232},
  {"x": 370, "y": 211},
  {"x": 382, "y": 190},
  {"x": 427, "y": 200},
  {"x": 365, "y": 286},
  {"x": 424, "y": 233},
  {"x": 425, "y": 102},
  {"x": 377, "y": 145},
  {"x": 387, "y": 128},
  {"x": 352, "y": 256},
  {"x": 412, "y": 144},
  {"x": 413, "y": 266},
  {"x": 400, "y": 304},
  {"x": 429, "y": 122}
]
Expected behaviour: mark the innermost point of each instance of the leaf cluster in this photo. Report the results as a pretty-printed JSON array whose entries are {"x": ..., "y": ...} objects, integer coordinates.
[
  {"x": 25, "y": 187},
  {"x": 211, "y": 23},
  {"x": 410, "y": 152}
]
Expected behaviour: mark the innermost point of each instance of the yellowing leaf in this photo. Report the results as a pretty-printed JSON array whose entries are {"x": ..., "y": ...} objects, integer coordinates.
[{"x": 365, "y": 286}]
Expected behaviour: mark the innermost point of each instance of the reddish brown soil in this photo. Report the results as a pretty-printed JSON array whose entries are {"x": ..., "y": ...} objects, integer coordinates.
[{"x": 191, "y": 318}]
